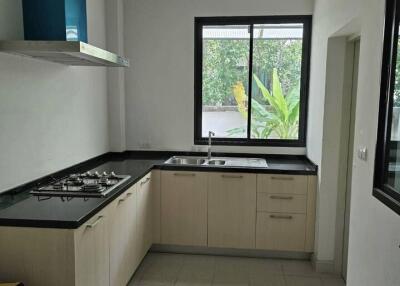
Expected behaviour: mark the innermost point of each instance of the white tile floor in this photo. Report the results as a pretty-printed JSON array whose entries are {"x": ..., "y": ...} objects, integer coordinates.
[{"x": 161, "y": 269}]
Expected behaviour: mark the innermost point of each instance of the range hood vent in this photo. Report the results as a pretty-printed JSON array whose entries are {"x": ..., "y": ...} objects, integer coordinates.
[
  {"x": 56, "y": 31},
  {"x": 64, "y": 52}
]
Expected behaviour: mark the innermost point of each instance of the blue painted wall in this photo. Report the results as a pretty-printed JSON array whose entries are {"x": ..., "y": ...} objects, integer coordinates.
[{"x": 55, "y": 20}]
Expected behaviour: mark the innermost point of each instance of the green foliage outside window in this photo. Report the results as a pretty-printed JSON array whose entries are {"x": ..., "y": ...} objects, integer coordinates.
[
  {"x": 277, "y": 114},
  {"x": 225, "y": 63},
  {"x": 222, "y": 68},
  {"x": 396, "y": 94}
]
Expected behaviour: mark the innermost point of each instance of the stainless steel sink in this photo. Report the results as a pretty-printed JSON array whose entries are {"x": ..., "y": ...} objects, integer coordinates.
[
  {"x": 186, "y": 161},
  {"x": 217, "y": 161}
]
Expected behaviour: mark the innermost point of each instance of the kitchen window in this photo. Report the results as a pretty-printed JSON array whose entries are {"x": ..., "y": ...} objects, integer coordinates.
[
  {"x": 387, "y": 159},
  {"x": 251, "y": 80}
]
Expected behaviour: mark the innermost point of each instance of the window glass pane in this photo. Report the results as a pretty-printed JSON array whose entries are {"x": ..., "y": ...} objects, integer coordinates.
[
  {"x": 225, "y": 80},
  {"x": 275, "y": 98},
  {"x": 393, "y": 176}
]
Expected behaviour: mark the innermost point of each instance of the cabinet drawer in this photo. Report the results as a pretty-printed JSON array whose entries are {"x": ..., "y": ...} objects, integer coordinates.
[
  {"x": 286, "y": 203},
  {"x": 282, "y": 184},
  {"x": 277, "y": 231}
]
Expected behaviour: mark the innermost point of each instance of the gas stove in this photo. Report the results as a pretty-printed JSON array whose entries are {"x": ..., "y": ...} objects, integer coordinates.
[{"x": 86, "y": 184}]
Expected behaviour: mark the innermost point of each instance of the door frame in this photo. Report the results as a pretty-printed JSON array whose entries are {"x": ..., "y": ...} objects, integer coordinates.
[{"x": 346, "y": 154}]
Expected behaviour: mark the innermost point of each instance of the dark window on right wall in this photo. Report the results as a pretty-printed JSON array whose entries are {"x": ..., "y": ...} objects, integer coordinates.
[{"x": 387, "y": 160}]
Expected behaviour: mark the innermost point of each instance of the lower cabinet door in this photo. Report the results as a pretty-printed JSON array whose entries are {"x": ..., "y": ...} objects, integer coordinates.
[
  {"x": 92, "y": 252},
  {"x": 231, "y": 210},
  {"x": 280, "y": 231},
  {"x": 184, "y": 208},
  {"x": 144, "y": 206},
  {"x": 123, "y": 238}
]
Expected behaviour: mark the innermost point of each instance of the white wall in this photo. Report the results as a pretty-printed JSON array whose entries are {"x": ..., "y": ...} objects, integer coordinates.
[
  {"x": 374, "y": 254},
  {"x": 116, "y": 76},
  {"x": 51, "y": 116},
  {"x": 159, "y": 41}
]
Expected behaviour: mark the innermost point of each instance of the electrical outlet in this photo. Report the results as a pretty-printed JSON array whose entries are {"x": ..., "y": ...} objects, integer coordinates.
[
  {"x": 144, "y": 145},
  {"x": 363, "y": 153}
]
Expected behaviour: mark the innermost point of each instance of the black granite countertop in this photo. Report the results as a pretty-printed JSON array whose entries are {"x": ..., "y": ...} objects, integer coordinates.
[{"x": 19, "y": 208}]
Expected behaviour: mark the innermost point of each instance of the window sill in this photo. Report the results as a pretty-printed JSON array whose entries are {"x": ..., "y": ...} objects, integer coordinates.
[{"x": 254, "y": 142}]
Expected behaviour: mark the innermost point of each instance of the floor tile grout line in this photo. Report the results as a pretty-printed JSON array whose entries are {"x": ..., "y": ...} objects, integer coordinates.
[
  {"x": 151, "y": 261},
  {"x": 213, "y": 273}
]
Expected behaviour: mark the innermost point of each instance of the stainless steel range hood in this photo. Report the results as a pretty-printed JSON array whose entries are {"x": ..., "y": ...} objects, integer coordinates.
[{"x": 64, "y": 52}]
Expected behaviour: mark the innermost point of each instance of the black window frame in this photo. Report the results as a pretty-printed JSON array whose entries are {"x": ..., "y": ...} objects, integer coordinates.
[
  {"x": 200, "y": 22},
  {"x": 382, "y": 191}
]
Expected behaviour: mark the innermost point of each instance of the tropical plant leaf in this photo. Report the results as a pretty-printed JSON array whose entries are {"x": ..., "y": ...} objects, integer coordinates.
[
  {"x": 236, "y": 131},
  {"x": 278, "y": 117},
  {"x": 294, "y": 113},
  {"x": 258, "y": 108},
  {"x": 266, "y": 132},
  {"x": 266, "y": 93},
  {"x": 293, "y": 97},
  {"x": 278, "y": 95},
  {"x": 241, "y": 99}
]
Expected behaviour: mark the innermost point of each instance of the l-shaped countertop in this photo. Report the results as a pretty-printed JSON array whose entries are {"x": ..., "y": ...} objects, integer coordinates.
[{"x": 19, "y": 208}]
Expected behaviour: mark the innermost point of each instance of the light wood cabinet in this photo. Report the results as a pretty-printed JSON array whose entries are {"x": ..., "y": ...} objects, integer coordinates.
[
  {"x": 124, "y": 257},
  {"x": 311, "y": 210},
  {"x": 92, "y": 258},
  {"x": 105, "y": 250},
  {"x": 285, "y": 212},
  {"x": 156, "y": 204},
  {"x": 40, "y": 256},
  {"x": 277, "y": 231},
  {"x": 231, "y": 210},
  {"x": 282, "y": 184},
  {"x": 37, "y": 256},
  {"x": 144, "y": 207},
  {"x": 184, "y": 208},
  {"x": 227, "y": 210},
  {"x": 281, "y": 203}
]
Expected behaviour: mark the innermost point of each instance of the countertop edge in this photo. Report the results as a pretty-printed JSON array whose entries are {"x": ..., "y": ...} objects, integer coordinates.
[{"x": 75, "y": 224}]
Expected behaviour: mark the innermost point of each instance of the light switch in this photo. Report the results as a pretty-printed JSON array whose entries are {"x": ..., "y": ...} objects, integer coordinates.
[{"x": 363, "y": 153}]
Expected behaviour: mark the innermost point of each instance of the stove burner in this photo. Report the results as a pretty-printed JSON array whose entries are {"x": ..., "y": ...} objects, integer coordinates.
[
  {"x": 92, "y": 187},
  {"x": 105, "y": 181},
  {"x": 58, "y": 186},
  {"x": 96, "y": 175},
  {"x": 76, "y": 183},
  {"x": 83, "y": 185}
]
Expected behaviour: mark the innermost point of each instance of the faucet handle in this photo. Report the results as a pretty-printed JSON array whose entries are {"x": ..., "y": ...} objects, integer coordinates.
[{"x": 211, "y": 133}]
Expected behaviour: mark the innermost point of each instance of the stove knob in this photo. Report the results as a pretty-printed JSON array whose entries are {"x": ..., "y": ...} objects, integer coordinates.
[
  {"x": 88, "y": 174},
  {"x": 105, "y": 174},
  {"x": 96, "y": 174},
  {"x": 112, "y": 175}
]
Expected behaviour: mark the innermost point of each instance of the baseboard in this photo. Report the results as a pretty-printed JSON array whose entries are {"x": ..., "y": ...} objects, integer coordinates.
[
  {"x": 230, "y": 252},
  {"x": 323, "y": 266}
]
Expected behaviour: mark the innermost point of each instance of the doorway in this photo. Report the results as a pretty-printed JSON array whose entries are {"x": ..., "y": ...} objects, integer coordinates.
[{"x": 354, "y": 50}]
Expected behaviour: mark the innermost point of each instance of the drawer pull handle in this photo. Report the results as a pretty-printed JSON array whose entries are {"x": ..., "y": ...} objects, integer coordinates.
[
  {"x": 281, "y": 198},
  {"x": 95, "y": 223},
  {"x": 281, "y": 216},
  {"x": 184, "y": 174},
  {"x": 282, "y": 178},
  {"x": 145, "y": 182},
  {"x": 129, "y": 194},
  {"x": 232, "y": 177},
  {"x": 121, "y": 201}
]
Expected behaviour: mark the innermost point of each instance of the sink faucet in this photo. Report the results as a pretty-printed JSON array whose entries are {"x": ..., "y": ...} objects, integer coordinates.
[{"x": 210, "y": 134}]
